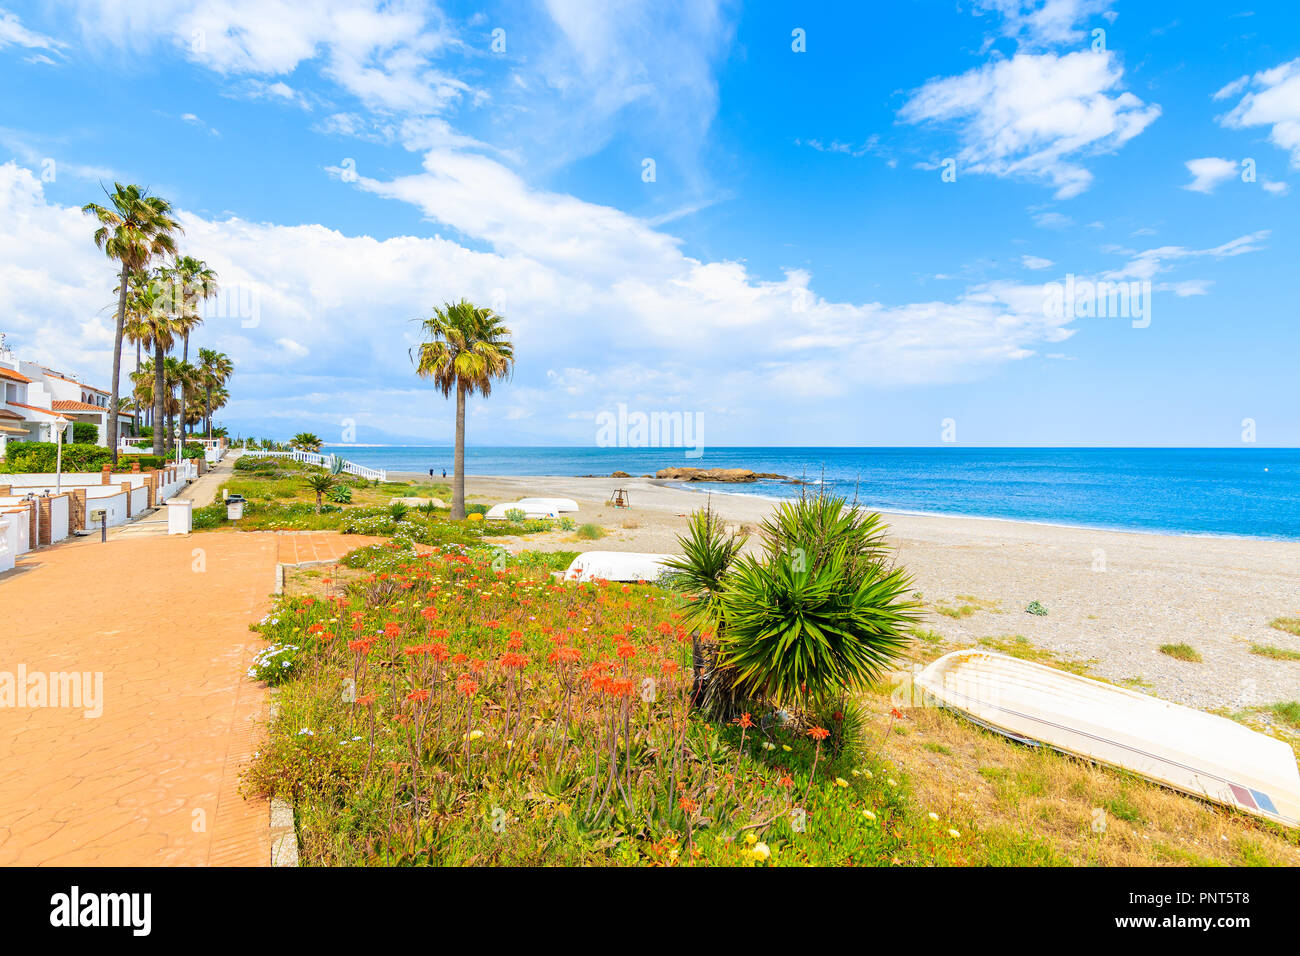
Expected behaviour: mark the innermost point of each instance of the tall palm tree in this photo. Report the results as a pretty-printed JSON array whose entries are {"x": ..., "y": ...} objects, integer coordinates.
[
  {"x": 173, "y": 375},
  {"x": 197, "y": 283},
  {"x": 135, "y": 330},
  {"x": 214, "y": 369},
  {"x": 466, "y": 348},
  {"x": 142, "y": 394},
  {"x": 152, "y": 302},
  {"x": 134, "y": 230}
]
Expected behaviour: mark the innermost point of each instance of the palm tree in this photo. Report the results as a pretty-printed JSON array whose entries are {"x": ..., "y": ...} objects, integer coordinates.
[
  {"x": 149, "y": 301},
  {"x": 135, "y": 330},
  {"x": 306, "y": 441},
  {"x": 135, "y": 230},
  {"x": 142, "y": 378},
  {"x": 321, "y": 483},
  {"x": 197, "y": 283},
  {"x": 214, "y": 369},
  {"x": 465, "y": 348}
]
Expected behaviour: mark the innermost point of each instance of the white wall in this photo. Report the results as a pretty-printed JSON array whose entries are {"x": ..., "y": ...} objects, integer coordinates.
[
  {"x": 59, "y": 517},
  {"x": 21, "y": 541},
  {"x": 9, "y": 540},
  {"x": 112, "y": 499},
  {"x": 76, "y": 479}
]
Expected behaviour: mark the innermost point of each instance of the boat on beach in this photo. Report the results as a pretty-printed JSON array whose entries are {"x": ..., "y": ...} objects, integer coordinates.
[
  {"x": 562, "y": 505},
  {"x": 616, "y": 566},
  {"x": 1201, "y": 754},
  {"x": 501, "y": 511}
]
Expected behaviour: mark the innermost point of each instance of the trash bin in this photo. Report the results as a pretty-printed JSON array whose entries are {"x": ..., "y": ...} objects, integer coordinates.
[
  {"x": 180, "y": 516},
  {"x": 235, "y": 507}
]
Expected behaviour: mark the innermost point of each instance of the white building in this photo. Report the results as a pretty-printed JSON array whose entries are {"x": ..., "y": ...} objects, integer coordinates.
[{"x": 37, "y": 403}]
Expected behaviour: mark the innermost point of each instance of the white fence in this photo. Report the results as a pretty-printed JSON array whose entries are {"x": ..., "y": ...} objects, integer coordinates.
[
  {"x": 324, "y": 461},
  {"x": 13, "y": 537}
]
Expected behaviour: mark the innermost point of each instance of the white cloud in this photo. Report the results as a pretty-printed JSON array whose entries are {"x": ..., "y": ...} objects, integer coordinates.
[
  {"x": 1039, "y": 23},
  {"x": 1147, "y": 264},
  {"x": 1035, "y": 116},
  {"x": 1271, "y": 98},
  {"x": 334, "y": 315},
  {"x": 1035, "y": 262},
  {"x": 13, "y": 33},
  {"x": 381, "y": 52},
  {"x": 1208, "y": 173}
]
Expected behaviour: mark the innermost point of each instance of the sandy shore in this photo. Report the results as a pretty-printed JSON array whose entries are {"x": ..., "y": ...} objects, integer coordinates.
[{"x": 1112, "y": 597}]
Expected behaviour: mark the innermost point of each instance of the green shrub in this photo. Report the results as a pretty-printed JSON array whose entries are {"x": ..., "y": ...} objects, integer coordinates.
[
  {"x": 145, "y": 461},
  {"x": 476, "y": 509},
  {"x": 542, "y": 560},
  {"x": 567, "y": 524},
  {"x": 35, "y": 457},
  {"x": 824, "y": 612},
  {"x": 341, "y": 494},
  {"x": 1034, "y": 607},
  {"x": 398, "y": 510},
  {"x": 515, "y": 514},
  {"x": 85, "y": 433},
  {"x": 591, "y": 532}
]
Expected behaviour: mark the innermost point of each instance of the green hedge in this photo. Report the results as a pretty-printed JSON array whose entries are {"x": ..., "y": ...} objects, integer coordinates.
[
  {"x": 27, "y": 457},
  {"x": 125, "y": 462},
  {"x": 85, "y": 433}
]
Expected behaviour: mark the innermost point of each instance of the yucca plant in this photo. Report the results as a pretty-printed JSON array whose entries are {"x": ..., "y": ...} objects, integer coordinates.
[
  {"x": 823, "y": 612},
  {"x": 321, "y": 482},
  {"x": 708, "y": 552}
]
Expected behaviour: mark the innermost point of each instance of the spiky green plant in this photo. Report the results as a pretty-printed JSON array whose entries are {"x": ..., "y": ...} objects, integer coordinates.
[
  {"x": 825, "y": 611},
  {"x": 321, "y": 482},
  {"x": 708, "y": 551}
]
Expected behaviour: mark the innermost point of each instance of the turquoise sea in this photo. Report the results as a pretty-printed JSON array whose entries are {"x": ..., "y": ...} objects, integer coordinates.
[{"x": 1246, "y": 491}]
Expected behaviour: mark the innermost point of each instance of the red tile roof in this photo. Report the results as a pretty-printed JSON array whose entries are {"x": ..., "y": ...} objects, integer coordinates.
[
  {"x": 69, "y": 405},
  {"x": 11, "y": 374},
  {"x": 34, "y": 408}
]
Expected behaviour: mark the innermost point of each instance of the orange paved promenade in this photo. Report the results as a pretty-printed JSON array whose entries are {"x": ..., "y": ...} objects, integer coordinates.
[{"x": 154, "y": 780}]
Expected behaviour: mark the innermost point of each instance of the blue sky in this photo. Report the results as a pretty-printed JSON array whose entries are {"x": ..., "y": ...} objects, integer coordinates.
[{"x": 799, "y": 270}]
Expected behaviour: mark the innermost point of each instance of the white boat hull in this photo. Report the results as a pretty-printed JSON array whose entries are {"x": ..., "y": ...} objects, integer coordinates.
[
  {"x": 616, "y": 566},
  {"x": 499, "y": 512},
  {"x": 1190, "y": 750},
  {"x": 562, "y": 505}
]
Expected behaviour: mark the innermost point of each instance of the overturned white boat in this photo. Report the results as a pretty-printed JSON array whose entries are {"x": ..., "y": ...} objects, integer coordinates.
[
  {"x": 1190, "y": 750},
  {"x": 617, "y": 566},
  {"x": 562, "y": 505},
  {"x": 501, "y": 512}
]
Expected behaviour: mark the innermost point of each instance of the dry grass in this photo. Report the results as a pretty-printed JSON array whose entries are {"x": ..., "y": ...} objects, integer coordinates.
[
  {"x": 1290, "y": 625},
  {"x": 957, "y": 767},
  {"x": 1181, "y": 652},
  {"x": 964, "y": 605},
  {"x": 1276, "y": 653},
  {"x": 1086, "y": 813}
]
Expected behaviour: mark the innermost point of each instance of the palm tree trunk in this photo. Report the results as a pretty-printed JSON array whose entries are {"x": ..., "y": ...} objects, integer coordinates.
[
  {"x": 114, "y": 402},
  {"x": 136, "y": 398},
  {"x": 185, "y": 391},
  {"x": 458, "y": 476},
  {"x": 207, "y": 409},
  {"x": 159, "y": 409}
]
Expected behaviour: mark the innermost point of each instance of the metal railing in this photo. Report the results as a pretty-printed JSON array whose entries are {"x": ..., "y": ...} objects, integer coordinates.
[{"x": 324, "y": 461}]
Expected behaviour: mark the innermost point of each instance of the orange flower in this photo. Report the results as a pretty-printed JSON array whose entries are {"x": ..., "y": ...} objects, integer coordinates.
[
  {"x": 745, "y": 721},
  {"x": 818, "y": 733}
]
